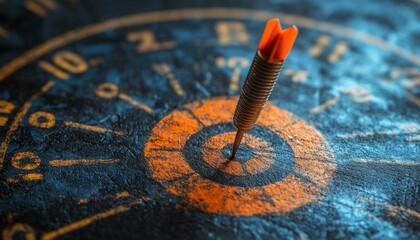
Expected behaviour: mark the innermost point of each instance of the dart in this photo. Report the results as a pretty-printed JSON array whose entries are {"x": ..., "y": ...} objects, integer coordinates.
[
  {"x": 118, "y": 120},
  {"x": 274, "y": 47}
]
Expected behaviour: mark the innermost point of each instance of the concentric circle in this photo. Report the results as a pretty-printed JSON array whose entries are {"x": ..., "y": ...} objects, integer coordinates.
[
  {"x": 177, "y": 157},
  {"x": 263, "y": 157},
  {"x": 213, "y": 155}
]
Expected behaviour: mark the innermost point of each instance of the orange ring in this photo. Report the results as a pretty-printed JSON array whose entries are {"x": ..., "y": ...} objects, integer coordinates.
[{"x": 314, "y": 162}]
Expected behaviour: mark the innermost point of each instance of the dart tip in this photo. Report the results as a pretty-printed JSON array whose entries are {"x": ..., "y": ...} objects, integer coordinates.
[
  {"x": 275, "y": 44},
  {"x": 237, "y": 142},
  {"x": 233, "y": 153}
]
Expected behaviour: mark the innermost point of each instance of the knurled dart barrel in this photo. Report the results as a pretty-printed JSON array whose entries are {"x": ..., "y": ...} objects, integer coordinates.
[{"x": 257, "y": 88}]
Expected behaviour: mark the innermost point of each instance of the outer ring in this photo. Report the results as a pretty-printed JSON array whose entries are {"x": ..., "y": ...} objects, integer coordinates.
[
  {"x": 314, "y": 162},
  {"x": 191, "y": 13}
]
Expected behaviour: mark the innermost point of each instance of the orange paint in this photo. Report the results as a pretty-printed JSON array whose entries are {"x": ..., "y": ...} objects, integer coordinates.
[
  {"x": 259, "y": 164},
  {"x": 207, "y": 115},
  {"x": 392, "y": 209},
  {"x": 35, "y": 161},
  {"x": 42, "y": 120},
  {"x": 87, "y": 221},
  {"x": 92, "y": 128},
  {"x": 26, "y": 177},
  {"x": 120, "y": 195},
  {"x": 212, "y": 155},
  {"x": 313, "y": 160},
  {"x": 83, "y": 201},
  {"x": 124, "y": 194},
  {"x": 28, "y": 232},
  {"x": 6, "y": 107},
  {"x": 215, "y": 159},
  {"x": 173, "y": 132},
  {"x": 164, "y": 166},
  {"x": 135, "y": 103},
  {"x": 291, "y": 193},
  {"x": 18, "y": 118},
  {"x": 73, "y": 162},
  {"x": 312, "y": 157},
  {"x": 107, "y": 90},
  {"x": 3, "y": 121},
  {"x": 212, "y": 197}
]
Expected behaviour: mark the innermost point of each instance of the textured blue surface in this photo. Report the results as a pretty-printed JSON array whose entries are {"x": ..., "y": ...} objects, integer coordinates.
[{"x": 55, "y": 201}]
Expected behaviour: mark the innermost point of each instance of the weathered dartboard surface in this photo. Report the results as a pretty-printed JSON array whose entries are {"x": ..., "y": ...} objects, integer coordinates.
[{"x": 115, "y": 121}]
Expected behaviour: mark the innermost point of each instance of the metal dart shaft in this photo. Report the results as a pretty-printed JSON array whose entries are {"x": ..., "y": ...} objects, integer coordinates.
[
  {"x": 257, "y": 89},
  {"x": 274, "y": 47}
]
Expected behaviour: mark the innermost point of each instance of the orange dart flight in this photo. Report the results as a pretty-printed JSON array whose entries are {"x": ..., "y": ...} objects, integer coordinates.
[{"x": 276, "y": 43}]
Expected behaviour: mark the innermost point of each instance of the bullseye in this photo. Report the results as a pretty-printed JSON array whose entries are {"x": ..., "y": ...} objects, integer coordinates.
[
  {"x": 258, "y": 163},
  {"x": 287, "y": 163}
]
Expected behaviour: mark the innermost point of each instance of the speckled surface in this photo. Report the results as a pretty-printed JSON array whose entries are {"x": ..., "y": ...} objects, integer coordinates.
[{"x": 372, "y": 129}]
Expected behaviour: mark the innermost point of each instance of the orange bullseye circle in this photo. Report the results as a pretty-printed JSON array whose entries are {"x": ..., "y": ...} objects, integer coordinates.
[
  {"x": 263, "y": 160},
  {"x": 314, "y": 162}
]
